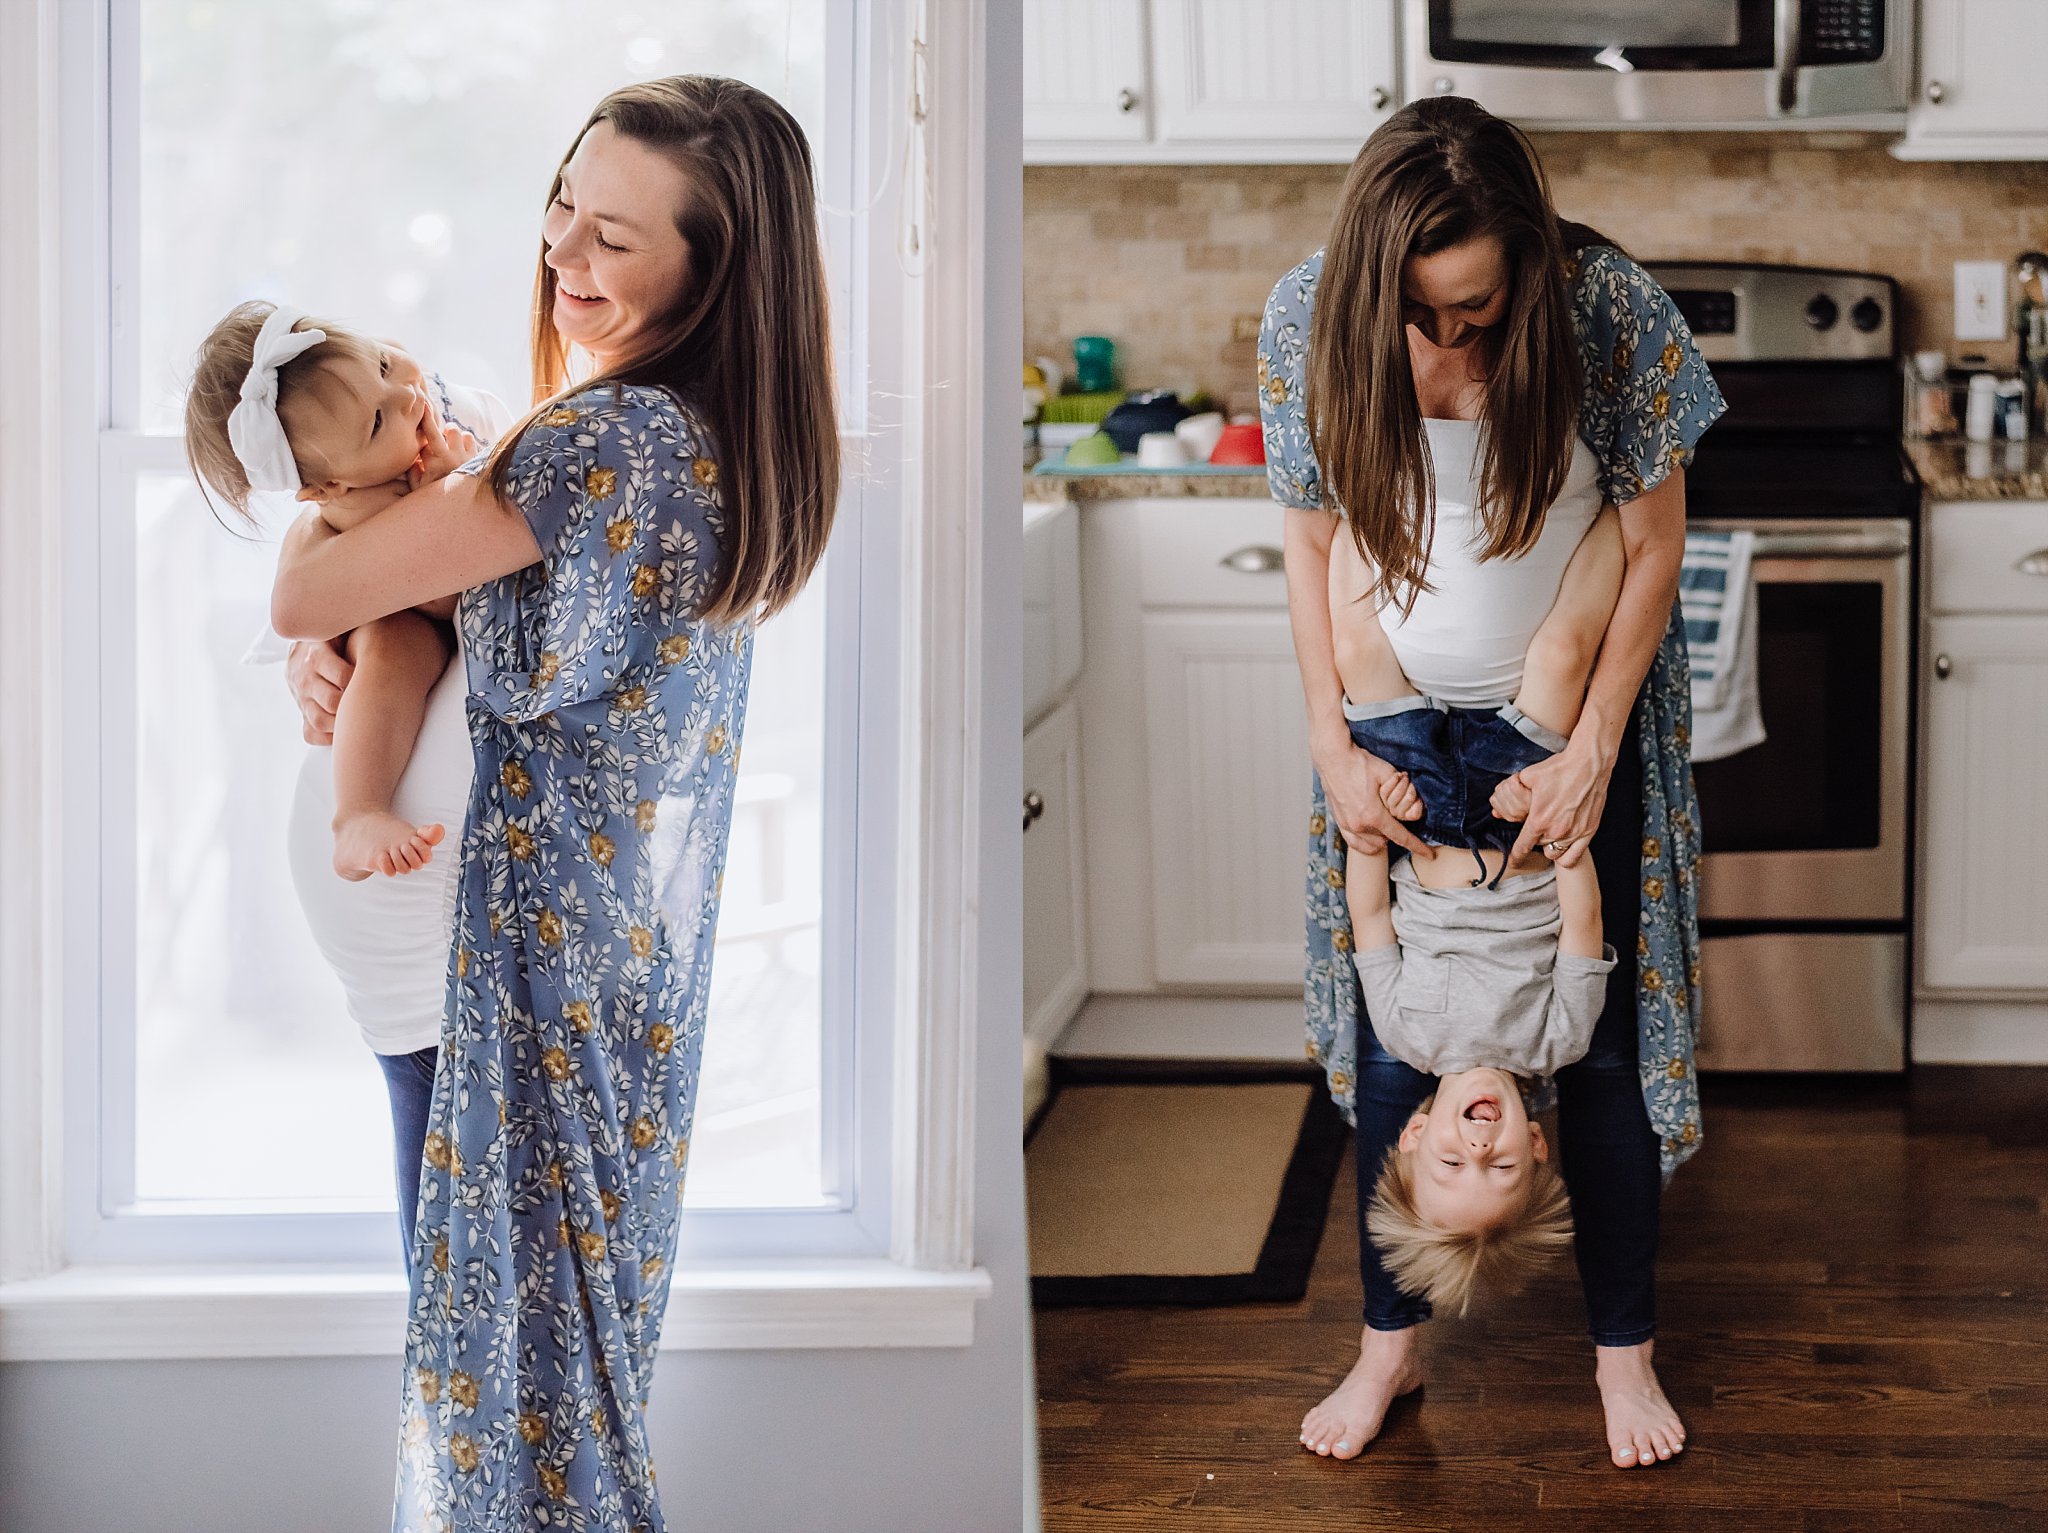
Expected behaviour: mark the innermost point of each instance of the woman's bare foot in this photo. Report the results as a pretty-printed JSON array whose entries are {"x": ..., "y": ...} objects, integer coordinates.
[
  {"x": 1641, "y": 1425},
  {"x": 1349, "y": 1417},
  {"x": 378, "y": 841}
]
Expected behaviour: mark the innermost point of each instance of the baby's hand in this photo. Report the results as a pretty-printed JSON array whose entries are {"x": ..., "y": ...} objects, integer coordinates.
[
  {"x": 450, "y": 448},
  {"x": 1398, "y": 793},
  {"x": 1511, "y": 800}
]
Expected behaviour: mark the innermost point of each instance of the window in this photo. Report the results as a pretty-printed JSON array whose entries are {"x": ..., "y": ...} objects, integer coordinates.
[{"x": 384, "y": 163}]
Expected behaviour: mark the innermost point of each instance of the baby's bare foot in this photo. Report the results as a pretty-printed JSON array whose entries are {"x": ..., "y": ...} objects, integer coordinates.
[
  {"x": 378, "y": 841},
  {"x": 1641, "y": 1425},
  {"x": 1349, "y": 1417}
]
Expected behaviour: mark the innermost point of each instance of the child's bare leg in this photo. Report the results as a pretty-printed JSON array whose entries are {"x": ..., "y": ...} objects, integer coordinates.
[
  {"x": 1364, "y": 655},
  {"x": 398, "y": 659},
  {"x": 1561, "y": 656}
]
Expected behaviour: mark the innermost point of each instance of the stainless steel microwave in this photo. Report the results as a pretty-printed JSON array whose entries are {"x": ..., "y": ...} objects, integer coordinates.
[{"x": 1667, "y": 63}]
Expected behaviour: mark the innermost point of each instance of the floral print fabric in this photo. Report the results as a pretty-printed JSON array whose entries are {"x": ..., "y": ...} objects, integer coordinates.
[
  {"x": 605, "y": 720},
  {"x": 1648, "y": 399}
]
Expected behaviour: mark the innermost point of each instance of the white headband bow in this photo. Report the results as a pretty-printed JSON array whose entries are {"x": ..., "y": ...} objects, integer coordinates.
[{"x": 254, "y": 430}]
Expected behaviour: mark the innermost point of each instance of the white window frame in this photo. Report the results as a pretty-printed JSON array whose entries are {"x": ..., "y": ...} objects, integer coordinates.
[{"x": 895, "y": 1266}]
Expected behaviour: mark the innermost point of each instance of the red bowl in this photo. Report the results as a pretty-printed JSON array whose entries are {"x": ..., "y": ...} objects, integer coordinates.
[{"x": 1243, "y": 443}]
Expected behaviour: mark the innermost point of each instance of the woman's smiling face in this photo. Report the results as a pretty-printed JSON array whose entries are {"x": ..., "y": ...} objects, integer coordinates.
[
  {"x": 619, "y": 262},
  {"x": 1457, "y": 294}
]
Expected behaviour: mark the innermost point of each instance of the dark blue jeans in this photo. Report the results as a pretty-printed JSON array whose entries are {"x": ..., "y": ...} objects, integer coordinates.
[
  {"x": 1606, "y": 1148},
  {"x": 409, "y": 1078}
]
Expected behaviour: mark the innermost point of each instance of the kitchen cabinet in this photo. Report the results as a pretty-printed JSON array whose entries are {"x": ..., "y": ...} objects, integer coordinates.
[
  {"x": 1085, "y": 74},
  {"x": 1981, "y": 980},
  {"x": 1205, "y": 81},
  {"x": 1983, "y": 839},
  {"x": 1055, "y": 930},
  {"x": 1979, "y": 91},
  {"x": 1197, "y": 769}
]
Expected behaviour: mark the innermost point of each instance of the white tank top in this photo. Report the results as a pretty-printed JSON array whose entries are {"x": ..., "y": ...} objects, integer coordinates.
[{"x": 1465, "y": 641}]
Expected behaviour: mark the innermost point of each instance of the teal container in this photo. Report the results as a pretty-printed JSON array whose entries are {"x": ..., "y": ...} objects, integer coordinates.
[{"x": 1094, "y": 364}]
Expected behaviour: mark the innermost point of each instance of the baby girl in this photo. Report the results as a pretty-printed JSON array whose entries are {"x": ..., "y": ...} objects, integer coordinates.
[{"x": 279, "y": 403}]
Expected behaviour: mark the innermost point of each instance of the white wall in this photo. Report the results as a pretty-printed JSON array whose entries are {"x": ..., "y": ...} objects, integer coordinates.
[{"x": 894, "y": 1441}]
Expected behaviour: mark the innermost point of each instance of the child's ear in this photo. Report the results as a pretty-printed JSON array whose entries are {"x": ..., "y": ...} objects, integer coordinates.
[
  {"x": 1411, "y": 1134},
  {"x": 319, "y": 494},
  {"x": 1539, "y": 1146}
]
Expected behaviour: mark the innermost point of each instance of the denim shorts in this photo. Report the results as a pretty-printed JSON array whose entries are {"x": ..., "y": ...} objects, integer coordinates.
[{"x": 1455, "y": 757}]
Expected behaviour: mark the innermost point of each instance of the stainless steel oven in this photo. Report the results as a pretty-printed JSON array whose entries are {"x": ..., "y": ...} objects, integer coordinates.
[
  {"x": 1738, "y": 63},
  {"x": 1803, "y": 873},
  {"x": 1805, "y": 883}
]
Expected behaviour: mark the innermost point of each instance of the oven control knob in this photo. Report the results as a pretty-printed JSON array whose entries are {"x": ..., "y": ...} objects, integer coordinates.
[
  {"x": 1867, "y": 315},
  {"x": 1822, "y": 313}
]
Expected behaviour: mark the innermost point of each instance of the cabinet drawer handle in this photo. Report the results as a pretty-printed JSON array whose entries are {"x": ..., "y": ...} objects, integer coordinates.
[
  {"x": 1255, "y": 559},
  {"x": 1942, "y": 666},
  {"x": 1380, "y": 98},
  {"x": 1127, "y": 100},
  {"x": 1034, "y": 807},
  {"x": 2035, "y": 563},
  {"x": 1936, "y": 92}
]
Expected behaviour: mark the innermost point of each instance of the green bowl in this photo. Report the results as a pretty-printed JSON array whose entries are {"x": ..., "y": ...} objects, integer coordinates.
[{"x": 1096, "y": 451}]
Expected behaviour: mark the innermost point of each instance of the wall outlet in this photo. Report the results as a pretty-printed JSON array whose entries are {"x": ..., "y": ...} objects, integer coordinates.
[
  {"x": 1980, "y": 300},
  {"x": 1244, "y": 327}
]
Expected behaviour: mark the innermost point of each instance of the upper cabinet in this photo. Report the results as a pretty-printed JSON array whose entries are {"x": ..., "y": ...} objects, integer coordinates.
[
  {"x": 1205, "y": 81},
  {"x": 1980, "y": 88}
]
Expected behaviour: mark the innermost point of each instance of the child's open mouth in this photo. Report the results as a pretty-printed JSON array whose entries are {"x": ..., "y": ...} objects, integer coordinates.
[{"x": 1483, "y": 1110}]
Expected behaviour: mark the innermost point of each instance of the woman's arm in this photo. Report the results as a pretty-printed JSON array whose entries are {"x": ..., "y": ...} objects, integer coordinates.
[
  {"x": 1569, "y": 790},
  {"x": 1352, "y": 778},
  {"x": 443, "y": 538}
]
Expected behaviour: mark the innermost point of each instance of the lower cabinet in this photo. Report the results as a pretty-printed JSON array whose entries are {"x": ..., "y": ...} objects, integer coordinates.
[
  {"x": 1055, "y": 929},
  {"x": 1983, "y": 841},
  {"x": 1227, "y": 742}
]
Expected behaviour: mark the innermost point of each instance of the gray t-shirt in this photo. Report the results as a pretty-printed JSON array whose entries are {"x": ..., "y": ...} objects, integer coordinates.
[{"x": 1476, "y": 979}]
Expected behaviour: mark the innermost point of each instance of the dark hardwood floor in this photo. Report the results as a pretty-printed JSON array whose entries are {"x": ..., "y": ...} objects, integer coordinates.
[{"x": 1853, "y": 1301}]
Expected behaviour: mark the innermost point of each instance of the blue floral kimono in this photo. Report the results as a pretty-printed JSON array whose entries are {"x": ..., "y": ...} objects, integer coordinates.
[
  {"x": 1648, "y": 399},
  {"x": 605, "y": 720}
]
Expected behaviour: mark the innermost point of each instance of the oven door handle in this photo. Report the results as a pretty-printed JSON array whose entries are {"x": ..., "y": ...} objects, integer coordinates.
[{"x": 1857, "y": 543}]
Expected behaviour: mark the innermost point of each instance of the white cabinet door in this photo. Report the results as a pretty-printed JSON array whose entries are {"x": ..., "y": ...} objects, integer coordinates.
[
  {"x": 1084, "y": 72},
  {"x": 1983, "y": 842},
  {"x": 1981, "y": 90},
  {"x": 1227, "y": 745},
  {"x": 1055, "y": 951},
  {"x": 1281, "y": 70}
]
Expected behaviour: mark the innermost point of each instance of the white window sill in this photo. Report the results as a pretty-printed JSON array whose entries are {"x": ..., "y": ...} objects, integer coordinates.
[{"x": 134, "y": 1313}]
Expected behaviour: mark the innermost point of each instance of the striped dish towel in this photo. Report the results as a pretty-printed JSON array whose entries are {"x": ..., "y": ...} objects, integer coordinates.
[
  {"x": 1713, "y": 588},
  {"x": 1717, "y": 597}
]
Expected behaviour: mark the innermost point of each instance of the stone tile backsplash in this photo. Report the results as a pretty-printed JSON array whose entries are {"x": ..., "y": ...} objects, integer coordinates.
[{"x": 1172, "y": 260}]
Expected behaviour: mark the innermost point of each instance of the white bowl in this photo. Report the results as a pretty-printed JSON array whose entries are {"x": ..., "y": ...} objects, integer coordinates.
[
  {"x": 1161, "y": 449},
  {"x": 1200, "y": 434}
]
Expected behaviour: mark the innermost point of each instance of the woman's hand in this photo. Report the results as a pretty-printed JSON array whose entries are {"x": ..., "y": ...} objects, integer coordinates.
[
  {"x": 1565, "y": 796},
  {"x": 1363, "y": 794},
  {"x": 316, "y": 670}
]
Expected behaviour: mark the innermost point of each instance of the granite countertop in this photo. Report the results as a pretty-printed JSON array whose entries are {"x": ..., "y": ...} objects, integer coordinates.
[
  {"x": 1956, "y": 470},
  {"x": 1148, "y": 485},
  {"x": 1950, "y": 469}
]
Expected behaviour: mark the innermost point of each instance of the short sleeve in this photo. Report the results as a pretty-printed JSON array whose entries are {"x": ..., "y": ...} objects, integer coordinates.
[
  {"x": 1291, "y": 471},
  {"x": 1379, "y": 979},
  {"x": 1649, "y": 396},
  {"x": 621, "y": 491},
  {"x": 1578, "y": 987}
]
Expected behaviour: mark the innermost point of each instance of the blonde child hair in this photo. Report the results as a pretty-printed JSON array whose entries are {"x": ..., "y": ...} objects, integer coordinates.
[
  {"x": 1446, "y": 1265},
  {"x": 217, "y": 378}
]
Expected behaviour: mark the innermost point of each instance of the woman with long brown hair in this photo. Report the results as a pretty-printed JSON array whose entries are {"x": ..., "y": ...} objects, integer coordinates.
[
  {"x": 1452, "y": 388},
  {"x": 613, "y": 554}
]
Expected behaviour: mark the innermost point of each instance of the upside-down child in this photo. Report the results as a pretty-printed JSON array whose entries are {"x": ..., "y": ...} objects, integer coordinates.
[
  {"x": 1486, "y": 972},
  {"x": 282, "y": 403}
]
